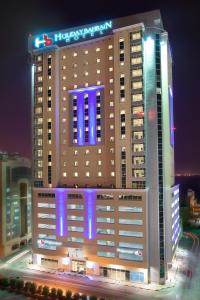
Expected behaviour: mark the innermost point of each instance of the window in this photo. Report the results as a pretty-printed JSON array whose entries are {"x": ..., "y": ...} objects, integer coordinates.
[
  {"x": 138, "y": 110},
  {"x": 112, "y": 174},
  {"x": 137, "y": 72},
  {"x": 130, "y": 209},
  {"x": 136, "y": 48},
  {"x": 131, "y": 233},
  {"x": 46, "y": 216},
  {"x": 136, "y": 60},
  {"x": 137, "y": 97},
  {"x": 99, "y": 162},
  {"x": 138, "y": 160},
  {"x": 75, "y": 228},
  {"x": 75, "y": 206},
  {"x": 75, "y": 239},
  {"x": 138, "y": 122},
  {"x": 105, "y": 231},
  {"x": 98, "y": 60},
  {"x": 121, "y": 44},
  {"x": 98, "y": 49},
  {"x": 137, "y": 85},
  {"x": 138, "y": 173},
  {"x": 105, "y": 243},
  {"x": 105, "y": 254},
  {"x": 75, "y": 218},
  {"x": 136, "y": 36},
  {"x": 99, "y": 151},
  {"x": 104, "y": 208},
  {"x": 131, "y": 245},
  {"x": 110, "y": 58},
  {"x": 64, "y": 174},
  {"x": 105, "y": 220},
  {"x": 110, "y": 46},
  {"x": 75, "y": 174},
  {"x": 138, "y": 147},
  {"x": 99, "y": 174},
  {"x": 87, "y": 174},
  {"x": 46, "y": 205},
  {"x": 47, "y": 226},
  {"x": 130, "y": 222},
  {"x": 75, "y": 54},
  {"x": 86, "y": 51}
]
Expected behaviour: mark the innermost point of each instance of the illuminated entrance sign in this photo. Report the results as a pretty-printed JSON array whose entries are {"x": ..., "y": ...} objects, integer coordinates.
[{"x": 72, "y": 35}]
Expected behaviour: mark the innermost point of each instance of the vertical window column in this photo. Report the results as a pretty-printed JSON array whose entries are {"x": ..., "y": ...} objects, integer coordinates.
[{"x": 123, "y": 167}]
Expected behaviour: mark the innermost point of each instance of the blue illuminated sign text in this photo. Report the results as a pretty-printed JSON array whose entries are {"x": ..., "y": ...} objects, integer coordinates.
[{"x": 71, "y": 36}]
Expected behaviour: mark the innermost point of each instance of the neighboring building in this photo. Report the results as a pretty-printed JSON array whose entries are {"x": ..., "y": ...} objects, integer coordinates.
[
  {"x": 103, "y": 155},
  {"x": 15, "y": 202}
]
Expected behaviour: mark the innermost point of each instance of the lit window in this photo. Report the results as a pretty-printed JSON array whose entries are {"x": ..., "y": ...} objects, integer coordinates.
[
  {"x": 99, "y": 151},
  {"x": 75, "y": 54},
  {"x": 112, "y": 174},
  {"x": 137, "y": 85},
  {"x": 87, "y": 151},
  {"x": 99, "y": 174},
  {"x": 75, "y": 152},
  {"x": 86, "y": 51},
  {"x": 99, "y": 162},
  {"x": 87, "y": 163},
  {"x": 86, "y": 84},
  {"x": 39, "y": 99},
  {"x": 75, "y": 86},
  {"x": 64, "y": 120},
  {"x": 76, "y": 174},
  {"x": 64, "y": 57},
  {"x": 39, "y": 57},
  {"x": 63, "y": 67},
  {"x": 112, "y": 162},
  {"x": 111, "y": 115},
  {"x": 98, "y": 82},
  {"x": 137, "y": 72},
  {"x": 111, "y": 126},
  {"x": 110, "y": 57},
  {"x": 98, "y": 60},
  {"x": 98, "y": 49},
  {"x": 111, "y": 80},
  {"x": 111, "y": 92},
  {"x": 112, "y": 139},
  {"x": 110, "y": 46},
  {"x": 64, "y": 174},
  {"x": 136, "y": 36},
  {"x": 39, "y": 68},
  {"x": 76, "y": 163},
  {"x": 87, "y": 174},
  {"x": 136, "y": 60},
  {"x": 64, "y": 98},
  {"x": 110, "y": 69},
  {"x": 64, "y": 88},
  {"x": 75, "y": 65},
  {"x": 137, "y": 97},
  {"x": 86, "y": 73},
  {"x": 64, "y": 78},
  {"x": 98, "y": 71},
  {"x": 111, "y": 103},
  {"x": 136, "y": 48},
  {"x": 75, "y": 75}
]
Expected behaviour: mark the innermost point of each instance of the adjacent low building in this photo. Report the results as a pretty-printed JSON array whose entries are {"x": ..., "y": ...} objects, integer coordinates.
[
  {"x": 15, "y": 203},
  {"x": 104, "y": 200}
]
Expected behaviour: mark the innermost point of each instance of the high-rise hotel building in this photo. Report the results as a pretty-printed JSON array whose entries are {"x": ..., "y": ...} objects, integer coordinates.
[{"x": 104, "y": 200}]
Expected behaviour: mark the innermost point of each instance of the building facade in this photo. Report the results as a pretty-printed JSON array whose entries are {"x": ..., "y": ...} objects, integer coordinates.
[
  {"x": 103, "y": 149},
  {"x": 15, "y": 203}
]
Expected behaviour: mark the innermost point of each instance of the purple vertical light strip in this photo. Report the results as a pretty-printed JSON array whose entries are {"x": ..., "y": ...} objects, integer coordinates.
[
  {"x": 171, "y": 116},
  {"x": 61, "y": 213},
  {"x": 92, "y": 117},
  {"x": 80, "y": 119},
  {"x": 90, "y": 214}
]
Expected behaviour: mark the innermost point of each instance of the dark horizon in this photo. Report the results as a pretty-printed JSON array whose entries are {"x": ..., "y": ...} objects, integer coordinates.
[{"x": 21, "y": 18}]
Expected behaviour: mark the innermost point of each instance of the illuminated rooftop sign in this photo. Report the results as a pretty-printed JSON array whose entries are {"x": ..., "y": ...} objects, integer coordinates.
[{"x": 71, "y": 36}]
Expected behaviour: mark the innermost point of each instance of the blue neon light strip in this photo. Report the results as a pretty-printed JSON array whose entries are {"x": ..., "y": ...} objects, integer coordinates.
[
  {"x": 86, "y": 90},
  {"x": 80, "y": 119},
  {"x": 92, "y": 117},
  {"x": 61, "y": 213},
  {"x": 171, "y": 117},
  {"x": 90, "y": 218}
]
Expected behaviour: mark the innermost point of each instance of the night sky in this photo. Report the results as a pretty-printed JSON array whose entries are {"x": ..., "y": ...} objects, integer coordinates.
[{"x": 19, "y": 18}]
